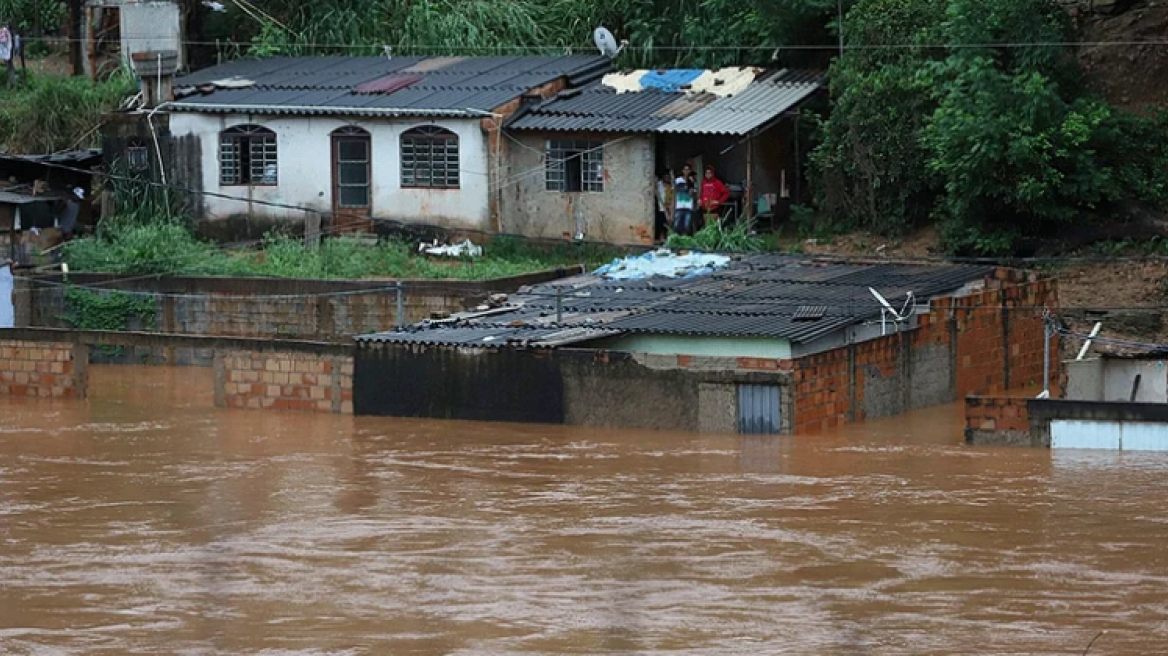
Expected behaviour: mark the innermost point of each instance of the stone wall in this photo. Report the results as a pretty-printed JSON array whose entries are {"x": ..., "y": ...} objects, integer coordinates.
[
  {"x": 42, "y": 369},
  {"x": 997, "y": 421},
  {"x": 284, "y": 380},
  {"x": 983, "y": 343}
]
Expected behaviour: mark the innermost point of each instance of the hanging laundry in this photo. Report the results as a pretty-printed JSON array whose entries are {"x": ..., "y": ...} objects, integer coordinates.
[{"x": 6, "y": 45}]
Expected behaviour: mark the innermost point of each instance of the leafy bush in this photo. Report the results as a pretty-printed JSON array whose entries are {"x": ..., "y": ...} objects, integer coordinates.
[{"x": 996, "y": 144}]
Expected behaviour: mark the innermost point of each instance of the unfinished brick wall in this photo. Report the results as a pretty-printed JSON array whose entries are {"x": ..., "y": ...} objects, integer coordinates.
[
  {"x": 997, "y": 420},
  {"x": 967, "y": 345},
  {"x": 284, "y": 381},
  {"x": 42, "y": 369}
]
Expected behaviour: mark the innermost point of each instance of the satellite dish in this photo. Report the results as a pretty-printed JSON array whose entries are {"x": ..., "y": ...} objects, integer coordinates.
[{"x": 606, "y": 42}]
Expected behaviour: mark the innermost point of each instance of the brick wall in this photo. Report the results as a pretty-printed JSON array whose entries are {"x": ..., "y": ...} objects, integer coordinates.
[
  {"x": 42, "y": 369},
  {"x": 984, "y": 343},
  {"x": 997, "y": 420},
  {"x": 284, "y": 381}
]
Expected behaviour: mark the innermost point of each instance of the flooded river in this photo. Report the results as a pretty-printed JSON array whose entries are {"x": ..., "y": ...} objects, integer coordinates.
[{"x": 145, "y": 521}]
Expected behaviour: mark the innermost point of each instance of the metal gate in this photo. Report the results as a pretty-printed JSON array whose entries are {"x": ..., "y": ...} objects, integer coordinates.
[{"x": 758, "y": 409}]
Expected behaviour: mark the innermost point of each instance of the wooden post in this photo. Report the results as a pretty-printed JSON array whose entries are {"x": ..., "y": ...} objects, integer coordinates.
[
  {"x": 748, "y": 195},
  {"x": 91, "y": 41},
  {"x": 75, "y": 34}
]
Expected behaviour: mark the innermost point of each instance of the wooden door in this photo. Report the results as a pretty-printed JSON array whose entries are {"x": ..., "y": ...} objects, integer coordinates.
[{"x": 352, "y": 180}]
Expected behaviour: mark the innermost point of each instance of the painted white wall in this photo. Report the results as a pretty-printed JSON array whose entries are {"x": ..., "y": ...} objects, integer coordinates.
[{"x": 305, "y": 169}]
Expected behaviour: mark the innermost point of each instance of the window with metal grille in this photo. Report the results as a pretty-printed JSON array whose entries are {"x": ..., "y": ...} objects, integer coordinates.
[
  {"x": 137, "y": 155},
  {"x": 247, "y": 156},
  {"x": 573, "y": 165},
  {"x": 429, "y": 158}
]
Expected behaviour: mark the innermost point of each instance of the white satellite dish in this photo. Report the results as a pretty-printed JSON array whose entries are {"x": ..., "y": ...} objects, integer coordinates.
[
  {"x": 886, "y": 310},
  {"x": 606, "y": 42}
]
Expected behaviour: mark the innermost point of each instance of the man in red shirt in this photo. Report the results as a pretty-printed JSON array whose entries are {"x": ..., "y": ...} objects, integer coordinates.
[{"x": 713, "y": 195}]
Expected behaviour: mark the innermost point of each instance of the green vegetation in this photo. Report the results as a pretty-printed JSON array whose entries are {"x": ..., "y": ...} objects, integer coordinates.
[
  {"x": 995, "y": 144},
  {"x": 168, "y": 247},
  {"x": 48, "y": 113},
  {"x": 738, "y": 238},
  {"x": 109, "y": 310}
]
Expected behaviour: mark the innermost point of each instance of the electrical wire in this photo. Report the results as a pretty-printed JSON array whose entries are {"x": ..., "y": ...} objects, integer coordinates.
[{"x": 835, "y": 47}]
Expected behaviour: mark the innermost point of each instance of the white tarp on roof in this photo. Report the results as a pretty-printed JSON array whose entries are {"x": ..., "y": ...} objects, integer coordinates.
[{"x": 664, "y": 264}]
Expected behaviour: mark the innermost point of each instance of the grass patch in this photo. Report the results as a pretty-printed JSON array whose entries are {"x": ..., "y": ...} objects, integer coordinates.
[
  {"x": 48, "y": 113},
  {"x": 715, "y": 238},
  {"x": 167, "y": 247}
]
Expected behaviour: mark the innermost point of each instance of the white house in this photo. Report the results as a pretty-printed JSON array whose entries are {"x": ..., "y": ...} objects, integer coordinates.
[{"x": 354, "y": 139}]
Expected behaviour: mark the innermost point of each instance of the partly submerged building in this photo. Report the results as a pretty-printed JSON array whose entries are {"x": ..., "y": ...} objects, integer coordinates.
[{"x": 770, "y": 344}]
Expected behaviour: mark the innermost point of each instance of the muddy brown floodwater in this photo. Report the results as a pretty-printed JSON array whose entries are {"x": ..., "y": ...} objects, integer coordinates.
[{"x": 145, "y": 521}]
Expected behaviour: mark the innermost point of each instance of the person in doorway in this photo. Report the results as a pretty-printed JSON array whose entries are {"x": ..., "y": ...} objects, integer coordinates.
[
  {"x": 67, "y": 219},
  {"x": 664, "y": 211},
  {"x": 714, "y": 194},
  {"x": 683, "y": 205}
]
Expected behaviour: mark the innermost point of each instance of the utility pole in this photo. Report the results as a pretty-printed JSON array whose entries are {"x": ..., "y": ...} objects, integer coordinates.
[{"x": 839, "y": 6}]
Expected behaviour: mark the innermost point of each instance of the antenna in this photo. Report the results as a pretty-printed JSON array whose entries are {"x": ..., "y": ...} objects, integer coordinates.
[
  {"x": 887, "y": 310},
  {"x": 606, "y": 42}
]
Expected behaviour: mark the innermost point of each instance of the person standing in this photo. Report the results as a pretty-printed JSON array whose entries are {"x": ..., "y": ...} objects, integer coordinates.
[
  {"x": 683, "y": 205},
  {"x": 713, "y": 195},
  {"x": 662, "y": 215}
]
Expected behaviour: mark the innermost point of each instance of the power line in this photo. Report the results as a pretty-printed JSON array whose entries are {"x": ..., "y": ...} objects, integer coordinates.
[{"x": 378, "y": 47}]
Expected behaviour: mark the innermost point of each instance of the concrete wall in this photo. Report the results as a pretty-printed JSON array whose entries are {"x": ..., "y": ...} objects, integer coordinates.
[
  {"x": 1110, "y": 379},
  {"x": 982, "y": 343},
  {"x": 622, "y": 213},
  {"x": 266, "y": 307},
  {"x": 48, "y": 369},
  {"x": 569, "y": 386},
  {"x": 305, "y": 177},
  {"x": 779, "y": 349},
  {"x": 284, "y": 380}
]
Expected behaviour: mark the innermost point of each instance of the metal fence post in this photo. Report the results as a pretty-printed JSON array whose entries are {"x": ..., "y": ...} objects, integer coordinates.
[{"x": 401, "y": 307}]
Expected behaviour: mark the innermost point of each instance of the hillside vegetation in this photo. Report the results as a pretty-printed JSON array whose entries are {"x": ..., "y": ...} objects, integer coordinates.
[{"x": 972, "y": 115}]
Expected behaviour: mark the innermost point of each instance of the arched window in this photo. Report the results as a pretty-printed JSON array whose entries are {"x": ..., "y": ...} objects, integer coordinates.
[
  {"x": 137, "y": 155},
  {"x": 247, "y": 156},
  {"x": 429, "y": 158}
]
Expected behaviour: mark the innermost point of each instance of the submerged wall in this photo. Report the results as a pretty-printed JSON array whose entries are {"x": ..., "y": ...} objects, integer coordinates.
[
  {"x": 43, "y": 369},
  {"x": 568, "y": 386}
]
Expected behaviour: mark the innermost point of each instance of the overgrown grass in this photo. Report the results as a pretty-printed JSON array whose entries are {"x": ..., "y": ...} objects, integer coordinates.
[
  {"x": 167, "y": 247},
  {"x": 714, "y": 238},
  {"x": 48, "y": 113}
]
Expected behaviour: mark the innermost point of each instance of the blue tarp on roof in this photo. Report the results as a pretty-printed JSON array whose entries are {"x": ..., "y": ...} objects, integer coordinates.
[{"x": 670, "y": 81}]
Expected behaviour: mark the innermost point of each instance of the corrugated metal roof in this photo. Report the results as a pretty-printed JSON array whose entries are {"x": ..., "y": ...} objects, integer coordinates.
[
  {"x": 443, "y": 86},
  {"x": 763, "y": 296},
  {"x": 601, "y": 109}
]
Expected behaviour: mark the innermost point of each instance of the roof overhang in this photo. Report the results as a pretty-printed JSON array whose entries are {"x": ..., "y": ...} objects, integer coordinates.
[{"x": 326, "y": 110}]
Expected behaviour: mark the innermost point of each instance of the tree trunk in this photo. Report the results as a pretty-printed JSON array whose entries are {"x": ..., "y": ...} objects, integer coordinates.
[{"x": 76, "y": 34}]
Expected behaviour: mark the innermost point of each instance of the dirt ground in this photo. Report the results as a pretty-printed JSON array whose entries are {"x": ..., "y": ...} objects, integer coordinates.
[{"x": 1130, "y": 74}]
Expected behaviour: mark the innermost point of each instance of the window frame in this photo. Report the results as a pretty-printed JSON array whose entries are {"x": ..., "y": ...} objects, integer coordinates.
[
  {"x": 589, "y": 153},
  {"x": 137, "y": 155},
  {"x": 239, "y": 140},
  {"x": 429, "y": 137}
]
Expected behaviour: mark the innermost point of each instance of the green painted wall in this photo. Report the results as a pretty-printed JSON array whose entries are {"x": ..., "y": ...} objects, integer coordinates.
[{"x": 719, "y": 347}]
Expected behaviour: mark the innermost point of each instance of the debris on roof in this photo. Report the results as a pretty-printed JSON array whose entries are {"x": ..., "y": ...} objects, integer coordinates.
[
  {"x": 733, "y": 103},
  {"x": 662, "y": 263}
]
